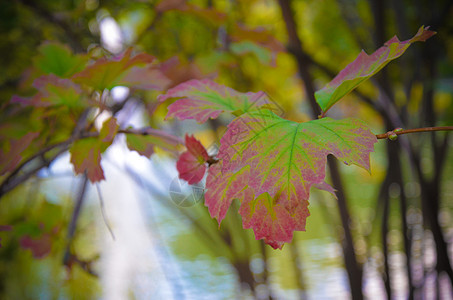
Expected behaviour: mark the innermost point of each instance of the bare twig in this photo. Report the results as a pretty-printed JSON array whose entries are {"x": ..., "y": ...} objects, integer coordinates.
[
  {"x": 393, "y": 133},
  {"x": 104, "y": 217}
]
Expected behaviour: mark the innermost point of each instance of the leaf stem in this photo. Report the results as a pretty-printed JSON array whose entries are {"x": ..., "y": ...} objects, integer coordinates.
[{"x": 392, "y": 134}]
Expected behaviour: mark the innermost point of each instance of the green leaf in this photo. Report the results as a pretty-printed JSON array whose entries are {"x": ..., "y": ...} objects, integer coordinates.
[
  {"x": 58, "y": 59},
  {"x": 365, "y": 66}
]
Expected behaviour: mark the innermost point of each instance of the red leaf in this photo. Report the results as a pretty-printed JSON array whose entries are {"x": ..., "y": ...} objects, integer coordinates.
[
  {"x": 39, "y": 247},
  {"x": 191, "y": 165}
]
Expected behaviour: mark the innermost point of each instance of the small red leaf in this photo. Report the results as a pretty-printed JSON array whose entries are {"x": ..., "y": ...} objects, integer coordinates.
[
  {"x": 40, "y": 247},
  {"x": 191, "y": 165}
]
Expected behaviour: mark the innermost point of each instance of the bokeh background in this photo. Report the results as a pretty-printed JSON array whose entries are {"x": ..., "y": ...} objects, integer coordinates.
[{"x": 389, "y": 234}]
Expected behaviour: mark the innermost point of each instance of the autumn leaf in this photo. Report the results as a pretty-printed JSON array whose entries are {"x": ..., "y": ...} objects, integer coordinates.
[
  {"x": 268, "y": 220},
  {"x": 223, "y": 188},
  {"x": 86, "y": 157},
  {"x": 284, "y": 159},
  {"x": 53, "y": 91},
  {"x": 365, "y": 66},
  {"x": 144, "y": 143},
  {"x": 191, "y": 164},
  {"x": 124, "y": 70},
  {"x": 58, "y": 59},
  {"x": 204, "y": 99},
  {"x": 11, "y": 157},
  {"x": 86, "y": 153}
]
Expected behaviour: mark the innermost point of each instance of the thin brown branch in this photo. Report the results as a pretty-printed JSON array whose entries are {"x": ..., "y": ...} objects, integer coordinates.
[{"x": 392, "y": 134}]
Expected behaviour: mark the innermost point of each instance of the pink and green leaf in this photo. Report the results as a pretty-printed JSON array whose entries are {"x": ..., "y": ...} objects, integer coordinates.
[
  {"x": 284, "y": 159},
  {"x": 191, "y": 164},
  {"x": 204, "y": 99},
  {"x": 223, "y": 188},
  {"x": 53, "y": 91},
  {"x": 365, "y": 66},
  {"x": 268, "y": 220}
]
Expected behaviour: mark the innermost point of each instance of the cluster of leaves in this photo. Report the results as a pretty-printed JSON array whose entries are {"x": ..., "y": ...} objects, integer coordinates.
[
  {"x": 77, "y": 85},
  {"x": 266, "y": 162}
]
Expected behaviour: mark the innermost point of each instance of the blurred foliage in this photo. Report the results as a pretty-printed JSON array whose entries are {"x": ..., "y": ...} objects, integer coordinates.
[{"x": 241, "y": 44}]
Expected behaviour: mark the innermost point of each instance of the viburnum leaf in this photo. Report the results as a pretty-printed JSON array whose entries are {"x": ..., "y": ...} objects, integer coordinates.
[
  {"x": 365, "y": 66},
  {"x": 53, "y": 91},
  {"x": 204, "y": 99},
  {"x": 58, "y": 59},
  {"x": 284, "y": 159},
  {"x": 191, "y": 164},
  {"x": 108, "y": 73},
  {"x": 11, "y": 157},
  {"x": 145, "y": 142},
  {"x": 86, "y": 153}
]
